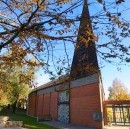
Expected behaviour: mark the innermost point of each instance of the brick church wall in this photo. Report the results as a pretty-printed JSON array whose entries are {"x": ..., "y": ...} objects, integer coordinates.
[
  {"x": 46, "y": 105},
  {"x": 43, "y": 105},
  {"x": 53, "y": 105},
  {"x": 32, "y": 104},
  {"x": 84, "y": 101},
  {"x": 40, "y": 101}
]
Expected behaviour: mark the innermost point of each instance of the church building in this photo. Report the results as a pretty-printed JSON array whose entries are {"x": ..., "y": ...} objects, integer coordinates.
[{"x": 77, "y": 98}]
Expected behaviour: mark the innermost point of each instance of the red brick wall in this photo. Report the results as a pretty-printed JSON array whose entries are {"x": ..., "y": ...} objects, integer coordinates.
[
  {"x": 32, "y": 104},
  {"x": 46, "y": 105},
  {"x": 40, "y": 105},
  {"x": 43, "y": 105},
  {"x": 85, "y": 100},
  {"x": 53, "y": 105}
]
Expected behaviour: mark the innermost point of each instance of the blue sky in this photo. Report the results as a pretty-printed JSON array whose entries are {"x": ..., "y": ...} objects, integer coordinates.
[{"x": 109, "y": 71}]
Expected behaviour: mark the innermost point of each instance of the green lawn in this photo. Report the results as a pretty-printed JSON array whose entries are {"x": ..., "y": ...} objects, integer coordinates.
[{"x": 28, "y": 122}]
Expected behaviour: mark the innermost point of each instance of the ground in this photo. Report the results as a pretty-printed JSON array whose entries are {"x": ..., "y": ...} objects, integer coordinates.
[
  {"x": 31, "y": 123},
  {"x": 117, "y": 127}
]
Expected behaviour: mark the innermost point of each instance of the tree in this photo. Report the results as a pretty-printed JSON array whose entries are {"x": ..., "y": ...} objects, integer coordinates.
[
  {"x": 118, "y": 91},
  {"x": 36, "y": 27},
  {"x": 15, "y": 82}
]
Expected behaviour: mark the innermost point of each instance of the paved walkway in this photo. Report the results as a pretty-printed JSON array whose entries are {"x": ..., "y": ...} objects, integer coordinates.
[
  {"x": 59, "y": 125},
  {"x": 117, "y": 127}
]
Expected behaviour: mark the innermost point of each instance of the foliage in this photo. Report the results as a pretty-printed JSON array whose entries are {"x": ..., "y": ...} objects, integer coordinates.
[
  {"x": 37, "y": 28},
  {"x": 29, "y": 122},
  {"x": 15, "y": 82},
  {"x": 3, "y": 98},
  {"x": 118, "y": 91},
  {"x": 109, "y": 115}
]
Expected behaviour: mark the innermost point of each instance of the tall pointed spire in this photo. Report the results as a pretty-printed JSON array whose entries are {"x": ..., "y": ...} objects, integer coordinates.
[
  {"x": 85, "y": 59},
  {"x": 85, "y": 17}
]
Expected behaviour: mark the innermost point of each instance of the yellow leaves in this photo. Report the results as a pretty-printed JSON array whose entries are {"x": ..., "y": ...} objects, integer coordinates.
[
  {"x": 87, "y": 37},
  {"x": 116, "y": 20},
  {"x": 16, "y": 56},
  {"x": 42, "y": 7},
  {"x": 9, "y": 61},
  {"x": 19, "y": 56},
  {"x": 34, "y": 1},
  {"x": 25, "y": 78},
  {"x": 109, "y": 114},
  {"x": 113, "y": 18},
  {"x": 123, "y": 96},
  {"x": 34, "y": 63},
  {"x": 3, "y": 98},
  {"x": 118, "y": 91},
  {"x": 83, "y": 40},
  {"x": 18, "y": 51},
  {"x": 91, "y": 69},
  {"x": 95, "y": 38}
]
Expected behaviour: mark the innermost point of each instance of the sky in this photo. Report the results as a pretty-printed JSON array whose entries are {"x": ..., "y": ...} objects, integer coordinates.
[{"x": 109, "y": 72}]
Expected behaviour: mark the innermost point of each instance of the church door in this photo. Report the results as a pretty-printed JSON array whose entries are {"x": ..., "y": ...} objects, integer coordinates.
[{"x": 63, "y": 107}]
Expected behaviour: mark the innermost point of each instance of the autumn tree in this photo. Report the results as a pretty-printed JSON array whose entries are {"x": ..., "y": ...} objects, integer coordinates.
[
  {"x": 118, "y": 91},
  {"x": 16, "y": 82},
  {"x": 37, "y": 28}
]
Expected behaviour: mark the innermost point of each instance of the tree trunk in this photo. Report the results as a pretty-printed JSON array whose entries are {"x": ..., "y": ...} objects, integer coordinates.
[{"x": 14, "y": 107}]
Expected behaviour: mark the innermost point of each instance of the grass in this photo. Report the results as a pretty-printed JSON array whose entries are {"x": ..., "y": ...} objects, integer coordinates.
[{"x": 29, "y": 122}]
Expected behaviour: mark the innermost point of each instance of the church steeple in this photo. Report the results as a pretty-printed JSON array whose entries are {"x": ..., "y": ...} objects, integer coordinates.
[
  {"x": 85, "y": 59},
  {"x": 85, "y": 17}
]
